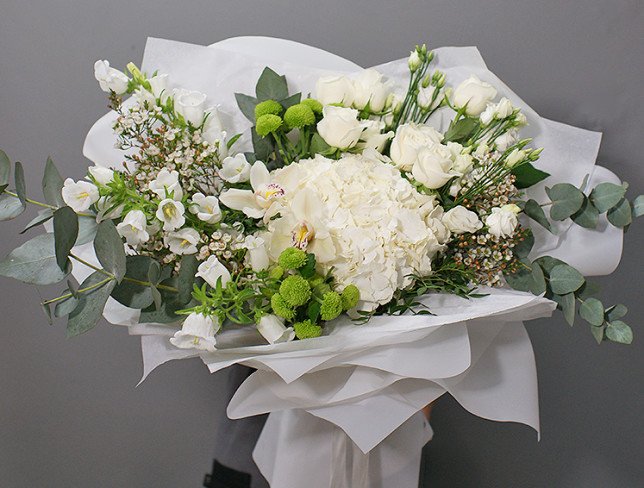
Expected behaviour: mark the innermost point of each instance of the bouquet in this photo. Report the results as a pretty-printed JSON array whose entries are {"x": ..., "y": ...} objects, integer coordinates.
[{"x": 309, "y": 221}]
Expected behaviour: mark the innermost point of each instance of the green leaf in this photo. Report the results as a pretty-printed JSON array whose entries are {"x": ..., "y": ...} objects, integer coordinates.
[
  {"x": 308, "y": 270},
  {"x": 598, "y": 333},
  {"x": 565, "y": 279},
  {"x": 109, "y": 249},
  {"x": 548, "y": 263},
  {"x": 5, "y": 168},
  {"x": 233, "y": 140},
  {"x": 523, "y": 248},
  {"x": 313, "y": 311},
  {"x": 271, "y": 86},
  {"x": 87, "y": 227},
  {"x": 592, "y": 311},
  {"x": 566, "y": 200},
  {"x": 290, "y": 101},
  {"x": 588, "y": 289},
  {"x": 47, "y": 309},
  {"x": 21, "y": 189},
  {"x": 131, "y": 294},
  {"x": 620, "y": 215},
  {"x": 65, "y": 307},
  {"x": 10, "y": 207},
  {"x": 90, "y": 306},
  {"x": 587, "y": 216},
  {"x": 34, "y": 262},
  {"x": 43, "y": 216},
  {"x": 186, "y": 278},
  {"x": 538, "y": 285},
  {"x": 533, "y": 210},
  {"x": 616, "y": 312},
  {"x": 52, "y": 184},
  {"x": 263, "y": 146},
  {"x": 65, "y": 234},
  {"x": 462, "y": 130},
  {"x": 527, "y": 175},
  {"x": 165, "y": 313},
  {"x": 620, "y": 332},
  {"x": 156, "y": 297},
  {"x": 246, "y": 104},
  {"x": 638, "y": 206},
  {"x": 607, "y": 195},
  {"x": 566, "y": 304},
  {"x": 521, "y": 280},
  {"x": 319, "y": 145}
]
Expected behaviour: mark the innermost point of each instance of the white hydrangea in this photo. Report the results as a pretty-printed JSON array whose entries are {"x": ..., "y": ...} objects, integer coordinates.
[{"x": 361, "y": 218}]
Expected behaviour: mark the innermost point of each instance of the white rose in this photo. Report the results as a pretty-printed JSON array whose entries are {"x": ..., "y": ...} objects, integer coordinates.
[
  {"x": 190, "y": 105},
  {"x": 171, "y": 213},
  {"x": 460, "y": 220},
  {"x": 334, "y": 89},
  {"x": 503, "y": 221},
  {"x": 159, "y": 86},
  {"x": 409, "y": 139},
  {"x": 433, "y": 166},
  {"x": 274, "y": 331},
  {"x": 183, "y": 241},
  {"x": 425, "y": 97},
  {"x": 110, "y": 79},
  {"x": 197, "y": 332},
  {"x": 235, "y": 169},
  {"x": 101, "y": 175},
  {"x": 257, "y": 253},
  {"x": 475, "y": 94},
  {"x": 79, "y": 195},
  {"x": 372, "y": 136},
  {"x": 134, "y": 228},
  {"x": 206, "y": 208},
  {"x": 370, "y": 89},
  {"x": 340, "y": 127},
  {"x": 211, "y": 270},
  {"x": 166, "y": 185}
]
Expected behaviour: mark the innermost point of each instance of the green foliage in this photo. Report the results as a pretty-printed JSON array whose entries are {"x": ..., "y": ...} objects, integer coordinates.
[
  {"x": 533, "y": 210},
  {"x": 271, "y": 86},
  {"x": 10, "y": 207},
  {"x": 133, "y": 291},
  {"x": 462, "y": 130},
  {"x": 592, "y": 311},
  {"x": 606, "y": 195},
  {"x": 21, "y": 190},
  {"x": 91, "y": 304},
  {"x": 587, "y": 216},
  {"x": 52, "y": 185},
  {"x": 34, "y": 262},
  {"x": 65, "y": 235},
  {"x": 565, "y": 279},
  {"x": 5, "y": 169},
  {"x": 109, "y": 250},
  {"x": 621, "y": 214},
  {"x": 43, "y": 216},
  {"x": 566, "y": 200},
  {"x": 638, "y": 206},
  {"x": 527, "y": 175},
  {"x": 620, "y": 332}
]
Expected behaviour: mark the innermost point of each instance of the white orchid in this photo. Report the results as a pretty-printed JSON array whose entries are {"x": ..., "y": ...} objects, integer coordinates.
[
  {"x": 134, "y": 228},
  {"x": 171, "y": 213},
  {"x": 79, "y": 195},
  {"x": 182, "y": 242},
  {"x": 257, "y": 201},
  {"x": 206, "y": 208},
  {"x": 198, "y": 332},
  {"x": 166, "y": 185}
]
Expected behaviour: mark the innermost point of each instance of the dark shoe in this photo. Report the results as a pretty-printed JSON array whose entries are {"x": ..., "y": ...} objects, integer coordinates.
[{"x": 224, "y": 477}]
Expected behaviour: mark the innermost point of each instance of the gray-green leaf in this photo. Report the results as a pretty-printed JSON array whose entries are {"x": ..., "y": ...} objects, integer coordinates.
[
  {"x": 52, "y": 184},
  {"x": 21, "y": 189},
  {"x": 538, "y": 280},
  {"x": 592, "y": 311},
  {"x": 566, "y": 200},
  {"x": 87, "y": 227},
  {"x": 109, "y": 249},
  {"x": 565, "y": 279},
  {"x": 271, "y": 86},
  {"x": 186, "y": 278},
  {"x": 598, "y": 333},
  {"x": 10, "y": 207},
  {"x": 620, "y": 215},
  {"x": 5, "y": 168},
  {"x": 43, "y": 216},
  {"x": 65, "y": 307},
  {"x": 616, "y": 312},
  {"x": 567, "y": 305},
  {"x": 587, "y": 216},
  {"x": 34, "y": 262},
  {"x": 638, "y": 206},
  {"x": 131, "y": 294},
  {"x": 607, "y": 195},
  {"x": 533, "y": 210},
  {"x": 618, "y": 331},
  {"x": 246, "y": 104},
  {"x": 90, "y": 306},
  {"x": 65, "y": 234},
  {"x": 523, "y": 248}
]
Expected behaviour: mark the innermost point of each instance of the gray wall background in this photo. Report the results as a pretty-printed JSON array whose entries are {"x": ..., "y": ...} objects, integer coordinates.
[{"x": 69, "y": 413}]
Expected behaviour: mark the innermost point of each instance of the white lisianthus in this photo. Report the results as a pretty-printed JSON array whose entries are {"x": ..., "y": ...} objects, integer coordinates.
[
  {"x": 463, "y": 161},
  {"x": 166, "y": 185},
  {"x": 413, "y": 61},
  {"x": 190, "y": 105},
  {"x": 79, "y": 195},
  {"x": 409, "y": 139},
  {"x": 213, "y": 131},
  {"x": 515, "y": 157},
  {"x": 197, "y": 332},
  {"x": 506, "y": 140},
  {"x": 273, "y": 330},
  {"x": 101, "y": 175},
  {"x": 257, "y": 255},
  {"x": 235, "y": 169},
  {"x": 334, "y": 89},
  {"x": 171, "y": 213},
  {"x": 257, "y": 202},
  {"x": 206, "y": 208},
  {"x": 211, "y": 270},
  {"x": 110, "y": 79},
  {"x": 159, "y": 86},
  {"x": 340, "y": 127},
  {"x": 183, "y": 241},
  {"x": 134, "y": 228},
  {"x": 372, "y": 135},
  {"x": 432, "y": 168},
  {"x": 473, "y": 94},
  {"x": 425, "y": 97},
  {"x": 460, "y": 220},
  {"x": 503, "y": 221},
  {"x": 500, "y": 110},
  {"x": 370, "y": 89}
]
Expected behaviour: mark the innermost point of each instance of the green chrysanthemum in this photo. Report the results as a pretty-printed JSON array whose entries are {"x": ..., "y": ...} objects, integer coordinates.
[
  {"x": 298, "y": 116},
  {"x": 267, "y": 124},
  {"x": 350, "y": 296},
  {"x": 292, "y": 258},
  {"x": 313, "y": 104},
  {"x": 276, "y": 273},
  {"x": 281, "y": 307},
  {"x": 268, "y": 107},
  {"x": 295, "y": 290},
  {"x": 331, "y": 306},
  {"x": 307, "y": 330}
]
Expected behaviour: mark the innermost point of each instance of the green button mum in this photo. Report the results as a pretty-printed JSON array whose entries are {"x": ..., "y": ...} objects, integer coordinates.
[
  {"x": 267, "y": 124},
  {"x": 313, "y": 104},
  {"x": 281, "y": 308},
  {"x": 299, "y": 116},
  {"x": 295, "y": 290},
  {"x": 292, "y": 258},
  {"x": 350, "y": 296},
  {"x": 307, "y": 330},
  {"x": 268, "y": 107},
  {"x": 331, "y": 306}
]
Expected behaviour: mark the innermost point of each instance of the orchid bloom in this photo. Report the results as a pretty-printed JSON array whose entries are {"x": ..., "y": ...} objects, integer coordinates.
[{"x": 257, "y": 201}]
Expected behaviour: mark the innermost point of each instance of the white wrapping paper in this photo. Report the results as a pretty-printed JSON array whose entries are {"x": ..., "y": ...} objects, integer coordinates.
[{"x": 346, "y": 405}]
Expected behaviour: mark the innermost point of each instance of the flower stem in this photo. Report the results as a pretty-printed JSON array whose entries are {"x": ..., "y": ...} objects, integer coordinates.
[{"x": 45, "y": 205}]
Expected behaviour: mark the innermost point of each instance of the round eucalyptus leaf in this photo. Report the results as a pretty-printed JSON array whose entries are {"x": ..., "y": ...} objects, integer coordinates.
[
  {"x": 565, "y": 279},
  {"x": 592, "y": 311},
  {"x": 618, "y": 331},
  {"x": 587, "y": 216},
  {"x": 90, "y": 305},
  {"x": 34, "y": 262},
  {"x": 566, "y": 200},
  {"x": 616, "y": 312},
  {"x": 109, "y": 249},
  {"x": 620, "y": 215},
  {"x": 10, "y": 207},
  {"x": 606, "y": 195},
  {"x": 638, "y": 206}
]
